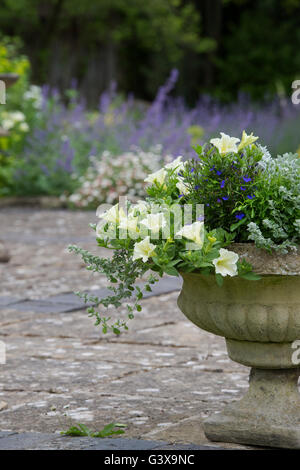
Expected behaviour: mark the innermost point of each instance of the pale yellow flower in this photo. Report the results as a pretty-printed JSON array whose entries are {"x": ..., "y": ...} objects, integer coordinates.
[
  {"x": 154, "y": 222},
  {"x": 176, "y": 164},
  {"x": 113, "y": 215},
  {"x": 141, "y": 206},
  {"x": 194, "y": 232},
  {"x": 24, "y": 127},
  {"x": 225, "y": 264},
  {"x": 158, "y": 177},
  {"x": 183, "y": 189},
  {"x": 129, "y": 223},
  {"x": 225, "y": 144},
  {"x": 143, "y": 249},
  {"x": 247, "y": 140}
]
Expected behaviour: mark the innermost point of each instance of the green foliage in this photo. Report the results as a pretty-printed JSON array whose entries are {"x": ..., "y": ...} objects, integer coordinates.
[
  {"x": 223, "y": 185},
  {"x": 81, "y": 430},
  {"x": 239, "y": 186},
  {"x": 219, "y": 46},
  {"x": 150, "y": 37},
  {"x": 257, "y": 58},
  {"x": 198, "y": 250},
  {"x": 120, "y": 270},
  {"x": 12, "y": 62},
  {"x": 275, "y": 213}
]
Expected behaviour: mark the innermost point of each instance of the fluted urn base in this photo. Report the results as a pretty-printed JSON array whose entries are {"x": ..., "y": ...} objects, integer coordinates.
[
  {"x": 261, "y": 324},
  {"x": 268, "y": 415}
]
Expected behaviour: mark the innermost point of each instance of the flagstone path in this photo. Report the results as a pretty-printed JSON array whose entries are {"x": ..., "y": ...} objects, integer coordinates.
[{"x": 161, "y": 378}]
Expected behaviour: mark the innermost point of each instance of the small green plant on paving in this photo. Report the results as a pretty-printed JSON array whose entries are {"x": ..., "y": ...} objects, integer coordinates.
[{"x": 81, "y": 430}]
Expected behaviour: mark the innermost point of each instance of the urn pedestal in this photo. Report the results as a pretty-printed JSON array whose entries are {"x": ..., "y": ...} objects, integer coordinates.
[{"x": 260, "y": 321}]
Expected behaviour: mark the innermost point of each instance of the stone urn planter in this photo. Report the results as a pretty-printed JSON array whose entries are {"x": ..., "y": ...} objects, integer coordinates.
[
  {"x": 260, "y": 321},
  {"x": 9, "y": 78}
]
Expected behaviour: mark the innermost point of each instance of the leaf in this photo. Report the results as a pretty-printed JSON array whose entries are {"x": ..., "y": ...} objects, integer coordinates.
[
  {"x": 205, "y": 271},
  {"x": 82, "y": 430},
  {"x": 219, "y": 279},
  {"x": 233, "y": 227},
  {"x": 79, "y": 430},
  {"x": 250, "y": 276},
  {"x": 171, "y": 270}
]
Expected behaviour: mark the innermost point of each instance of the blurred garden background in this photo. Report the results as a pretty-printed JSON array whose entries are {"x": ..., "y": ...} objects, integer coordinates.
[{"x": 108, "y": 90}]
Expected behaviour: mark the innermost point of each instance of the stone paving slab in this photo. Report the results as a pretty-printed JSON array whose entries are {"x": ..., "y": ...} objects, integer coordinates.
[
  {"x": 42, "y": 441},
  {"x": 8, "y": 300},
  {"x": 69, "y": 302},
  {"x": 43, "y": 306}
]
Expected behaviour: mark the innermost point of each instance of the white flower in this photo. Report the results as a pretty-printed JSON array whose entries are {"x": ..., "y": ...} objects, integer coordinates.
[
  {"x": 154, "y": 222},
  {"x": 17, "y": 116},
  {"x": 183, "y": 189},
  {"x": 100, "y": 229},
  {"x": 194, "y": 232},
  {"x": 143, "y": 249},
  {"x": 113, "y": 215},
  {"x": 176, "y": 164},
  {"x": 247, "y": 140},
  {"x": 158, "y": 177},
  {"x": 141, "y": 206},
  {"x": 24, "y": 127},
  {"x": 225, "y": 144},
  {"x": 7, "y": 124},
  {"x": 226, "y": 263},
  {"x": 129, "y": 223}
]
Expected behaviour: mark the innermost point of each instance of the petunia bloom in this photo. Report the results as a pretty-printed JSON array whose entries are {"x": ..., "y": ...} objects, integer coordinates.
[
  {"x": 225, "y": 144},
  {"x": 143, "y": 250},
  {"x": 182, "y": 187},
  {"x": 247, "y": 140},
  {"x": 154, "y": 222},
  {"x": 194, "y": 232},
  {"x": 157, "y": 177},
  {"x": 225, "y": 264}
]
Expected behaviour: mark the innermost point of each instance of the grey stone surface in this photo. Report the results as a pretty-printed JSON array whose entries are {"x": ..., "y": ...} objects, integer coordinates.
[
  {"x": 267, "y": 415},
  {"x": 43, "y": 306},
  {"x": 41, "y": 266},
  {"x": 268, "y": 263},
  {"x": 43, "y": 441},
  {"x": 69, "y": 302},
  {"x": 4, "y": 253},
  {"x": 8, "y": 300},
  {"x": 162, "y": 378}
]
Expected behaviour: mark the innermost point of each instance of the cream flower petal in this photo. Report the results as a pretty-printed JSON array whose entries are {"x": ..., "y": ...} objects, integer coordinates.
[
  {"x": 143, "y": 250},
  {"x": 225, "y": 144},
  {"x": 225, "y": 264}
]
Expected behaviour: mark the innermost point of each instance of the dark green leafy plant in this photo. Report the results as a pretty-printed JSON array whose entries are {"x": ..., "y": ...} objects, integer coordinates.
[{"x": 81, "y": 430}]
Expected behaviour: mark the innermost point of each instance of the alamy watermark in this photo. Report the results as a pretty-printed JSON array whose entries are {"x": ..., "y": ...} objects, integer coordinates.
[
  {"x": 296, "y": 93},
  {"x": 2, "y": 92},
  {"x": 155, "y": 223},
  {"x": 296, "y": 353},
  {"x": 2, "y": 352}
]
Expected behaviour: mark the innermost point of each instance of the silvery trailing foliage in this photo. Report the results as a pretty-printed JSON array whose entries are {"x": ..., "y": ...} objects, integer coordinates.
[{"x": 277, "y": 221}]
